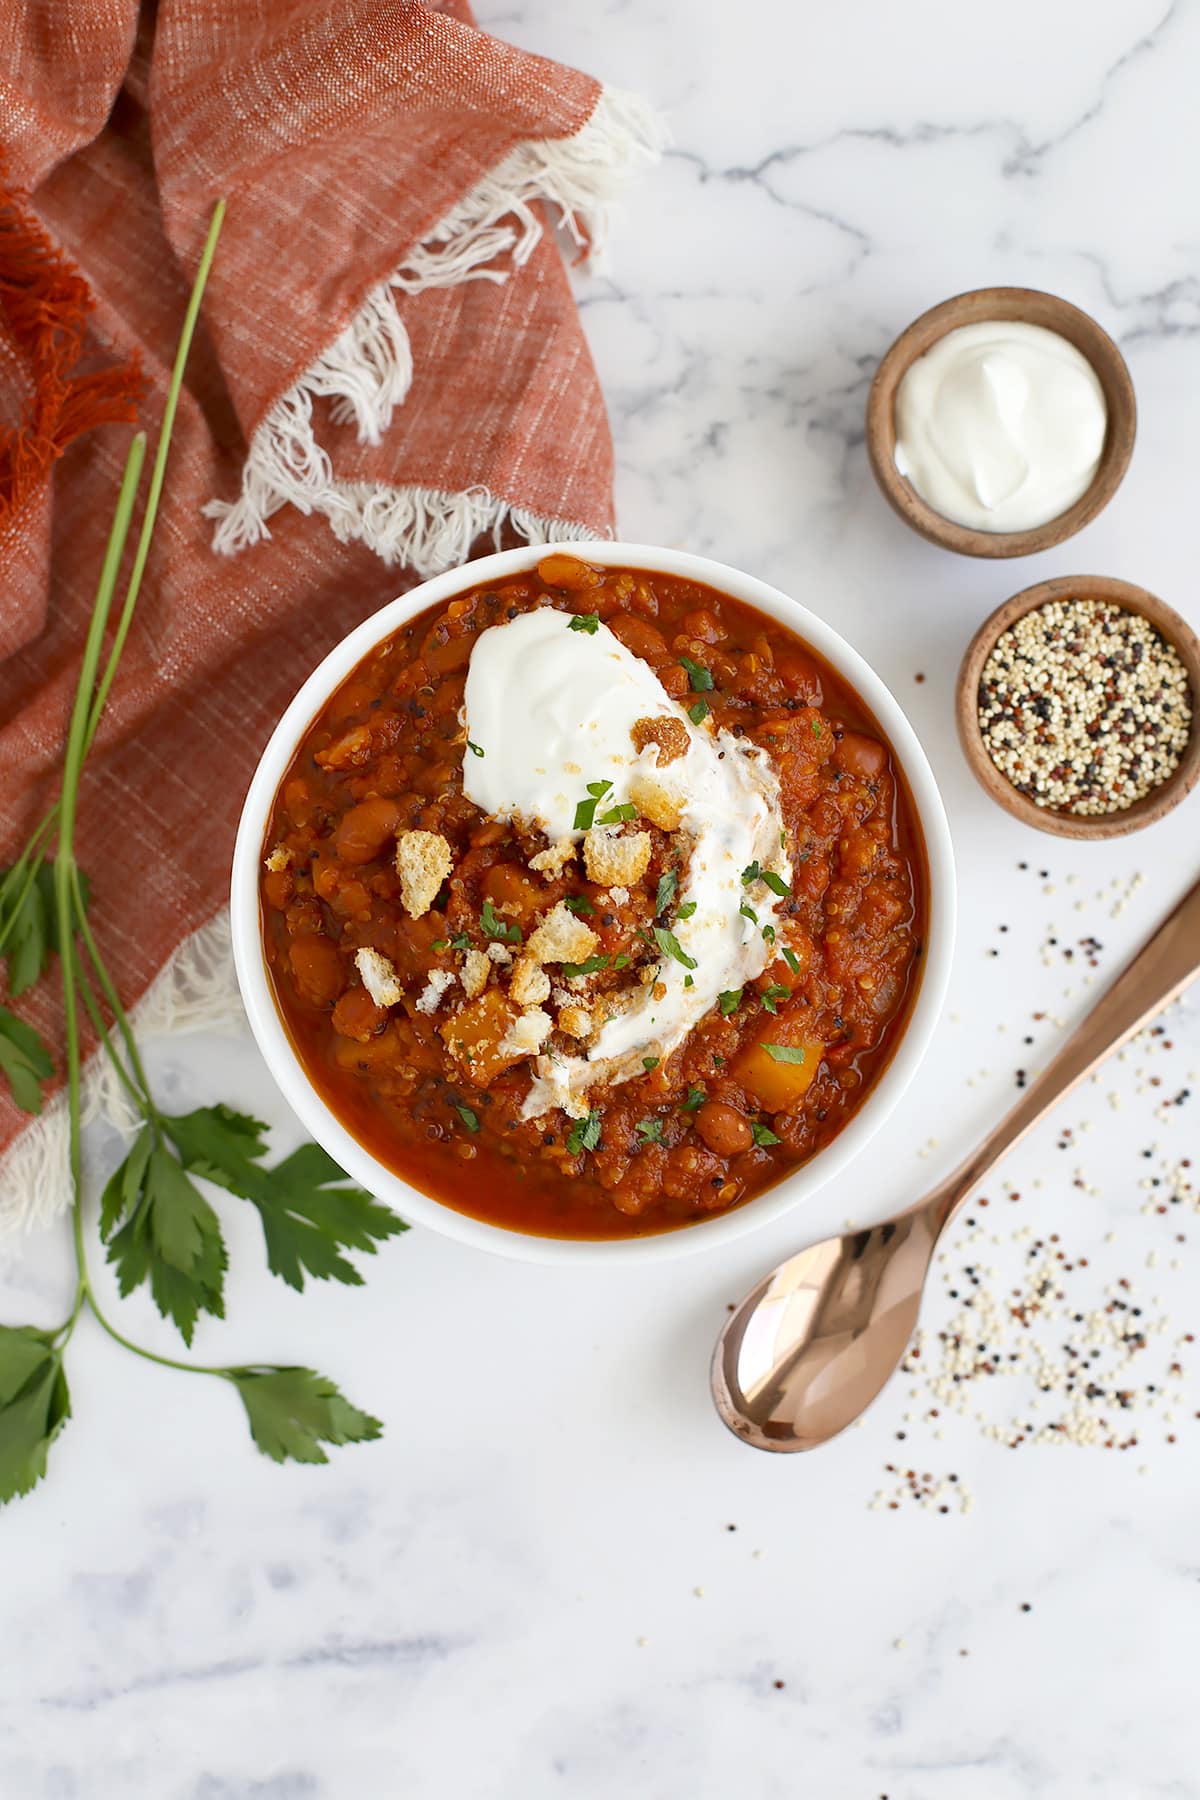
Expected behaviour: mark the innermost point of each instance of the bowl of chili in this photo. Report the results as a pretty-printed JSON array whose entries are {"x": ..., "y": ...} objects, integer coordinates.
[{"x": 507, "y": 1030}]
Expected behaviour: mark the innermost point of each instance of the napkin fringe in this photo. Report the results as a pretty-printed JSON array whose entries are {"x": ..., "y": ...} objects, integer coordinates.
[
  {"x": 428, "y": 530},
  {"x": 195, "y": 991},
  {"x": 367, "y": 372}
]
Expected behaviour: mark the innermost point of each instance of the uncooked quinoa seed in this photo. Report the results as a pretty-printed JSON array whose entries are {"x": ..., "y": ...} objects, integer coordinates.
[{"x": 1084, "y": 706}]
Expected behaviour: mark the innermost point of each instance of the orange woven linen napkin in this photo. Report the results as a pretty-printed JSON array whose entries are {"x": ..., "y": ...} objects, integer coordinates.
[{"x": 390, "y": 363}]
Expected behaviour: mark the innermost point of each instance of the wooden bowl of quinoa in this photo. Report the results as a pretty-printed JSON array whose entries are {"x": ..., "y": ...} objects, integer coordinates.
[{"x": 1078, "y": 707}]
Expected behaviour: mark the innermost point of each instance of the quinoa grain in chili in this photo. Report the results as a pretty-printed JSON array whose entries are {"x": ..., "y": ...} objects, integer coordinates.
[{"x": 593, "y": 901}]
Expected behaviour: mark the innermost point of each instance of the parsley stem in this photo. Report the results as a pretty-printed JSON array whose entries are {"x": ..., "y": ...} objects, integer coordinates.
[
  {"x": 110, "y": 1050},
  {"x": 119, "y": 1014},
  {"x": 64, "y": 861},
  {"x": 165, "y": 1362},
  {"x": 157, "y": 473}
]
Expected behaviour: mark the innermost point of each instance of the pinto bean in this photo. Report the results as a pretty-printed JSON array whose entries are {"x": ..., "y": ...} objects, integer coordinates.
[
  {"x": 366, "y": 829},
  {"x": 860, "y": 755},
  {"x": 316, "y": 969},
  {"x": 723, "y": 1128}
]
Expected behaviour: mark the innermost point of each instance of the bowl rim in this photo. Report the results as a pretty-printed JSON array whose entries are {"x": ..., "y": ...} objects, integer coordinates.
[
  {"x": 1152, "y": 806},
  {"x": 327, "y": 1129},
  {"x": 1034, "y": 306}
]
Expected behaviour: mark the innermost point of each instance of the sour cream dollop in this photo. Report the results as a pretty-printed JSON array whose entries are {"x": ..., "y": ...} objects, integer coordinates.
[
  {"x": 552, "y": 708},
  {"x": 1000, "y": 426}
]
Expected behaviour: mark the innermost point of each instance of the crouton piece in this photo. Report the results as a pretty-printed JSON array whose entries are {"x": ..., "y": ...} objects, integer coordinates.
[
  {"x": 499, "y": 953},
  {"x": 474, "y": 1033},
  {"x": 668, "y": 733},
  {"x": 530, "y": 984},
  {"x": 576, "y": 1021},
  {"x": 654, "y": 803},
  {"x": 475, "y": 971},
  {"x": 551, "y": 863},
  {"x": 526, "y": 1035},
  {"x": 561, "y": 937},
  {"x": 423, "y": 862},
  {"x": 430, "y": 997},
  {"x": 378, "y": 977},
  {"x": 613, "y": 860},
  {"x": 280, "y": 858}
]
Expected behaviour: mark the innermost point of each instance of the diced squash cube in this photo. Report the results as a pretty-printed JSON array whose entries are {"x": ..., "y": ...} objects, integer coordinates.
[
  {"x": 778, "y": 1067},
  {"x": 475, "y": 1033}
]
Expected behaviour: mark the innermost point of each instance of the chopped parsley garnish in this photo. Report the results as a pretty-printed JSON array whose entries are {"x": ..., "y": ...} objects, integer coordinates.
[
  {"x": 669, "y": 944},
  {"x": 775, "y": 882},
  {"x": 461, "y": 942},
  {"x": 688, "y": 982},
  {"x": 697, "y": 674},
  {"x": 474, "y": 748},
  {"x": 694, "y": 1101},
  {"x": 816, "y": 727},
  {"x": 783, "y": 837},
  {"x": 768, "y": 934},
  {"x": 592, "y": 966},
  {"x": 469, "y": 1118},
  {"x": 589, "y": 622},
  {"x": 650, "y": 1062},
  {"x": 621, "y": 961},
  {"x": 773, "y": 995},
  {"x": 440, "y": 944},
  {"x": 617, "y": 815},
  {"x": 578, "y": 903},
  {"x": 763, "y": 1135},
  {"x": 788, "y": 1053},
  {"x": 650, "y": 1130},
  {"x": 792, "y": 961},
  {"x": 729, "y": 1001},
  {"x": 585, "y": 812},
  {"x": 493, "y": 927},
  {"x": 748, "y": 912},
  {"x": 686, "y": 910},
  {"x": 698, "y": 712},
  {"x": 668, "y": 886},
  {"x": 584, "y": 1134}
]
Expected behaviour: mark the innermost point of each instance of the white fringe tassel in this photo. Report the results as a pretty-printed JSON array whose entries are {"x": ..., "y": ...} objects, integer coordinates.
[
  {"x": 195, "y": 991},
  {"x": 367, "y": 372}
]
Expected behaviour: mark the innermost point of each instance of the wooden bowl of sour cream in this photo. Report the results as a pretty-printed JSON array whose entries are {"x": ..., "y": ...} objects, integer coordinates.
[{"x": 987, "y": 428}]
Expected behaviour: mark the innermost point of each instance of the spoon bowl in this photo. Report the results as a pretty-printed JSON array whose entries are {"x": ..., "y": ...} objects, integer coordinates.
[{"x": 808, "y": 1350}]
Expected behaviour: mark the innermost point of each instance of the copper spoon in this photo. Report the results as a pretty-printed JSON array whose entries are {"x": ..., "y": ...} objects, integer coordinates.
[{"x": 814, "y": 1343}]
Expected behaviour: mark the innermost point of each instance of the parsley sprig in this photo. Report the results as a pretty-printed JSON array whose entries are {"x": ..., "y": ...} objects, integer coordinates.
[{"x": 161, "y": 1230}]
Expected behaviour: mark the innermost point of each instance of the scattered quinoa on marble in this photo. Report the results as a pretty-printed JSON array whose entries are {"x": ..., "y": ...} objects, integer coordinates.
[{"x": 1084, "y": 707}]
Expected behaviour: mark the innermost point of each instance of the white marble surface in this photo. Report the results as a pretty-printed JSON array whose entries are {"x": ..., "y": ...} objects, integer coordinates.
[{"x": 457, "y": 1613}]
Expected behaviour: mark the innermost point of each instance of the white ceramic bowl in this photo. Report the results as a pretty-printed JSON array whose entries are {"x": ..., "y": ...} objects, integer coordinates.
[{"x": 327, "y": 1129}]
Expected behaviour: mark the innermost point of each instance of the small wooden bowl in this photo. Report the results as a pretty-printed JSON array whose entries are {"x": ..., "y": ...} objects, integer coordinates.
[
  {"x": 1159, "y": 800},
  {"x": 982, "y": 306}
]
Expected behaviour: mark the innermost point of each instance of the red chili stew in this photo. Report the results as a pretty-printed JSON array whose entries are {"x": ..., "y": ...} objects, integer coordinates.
[{"x": 418, "y": 1080}]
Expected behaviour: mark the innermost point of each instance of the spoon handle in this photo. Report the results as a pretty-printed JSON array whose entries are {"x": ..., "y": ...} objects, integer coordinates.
[{"x": 1160, "y": 971}]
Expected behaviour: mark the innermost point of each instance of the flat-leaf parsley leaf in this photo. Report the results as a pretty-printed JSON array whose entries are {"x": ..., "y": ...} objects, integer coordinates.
[
  {"x": 292, "y": 1412},
  {"x": 494, "y": 927},
  {"x": 697, "y": 674},
  {"x": 669, "y": 944},
  {"x": 584, "y": 1134}
]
